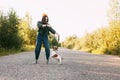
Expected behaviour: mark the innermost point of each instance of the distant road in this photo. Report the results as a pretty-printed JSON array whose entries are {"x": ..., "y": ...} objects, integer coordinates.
[{"x": 76, "y": 66}]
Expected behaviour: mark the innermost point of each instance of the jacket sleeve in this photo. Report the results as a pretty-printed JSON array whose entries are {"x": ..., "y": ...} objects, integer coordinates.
[{"x": 52, "y": 30}]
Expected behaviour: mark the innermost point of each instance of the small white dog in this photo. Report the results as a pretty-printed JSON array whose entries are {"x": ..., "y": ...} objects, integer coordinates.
[{"x": 55, "y": 55}]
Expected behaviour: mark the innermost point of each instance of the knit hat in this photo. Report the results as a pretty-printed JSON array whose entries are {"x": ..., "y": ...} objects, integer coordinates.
[{"x": 44, "y": 14}]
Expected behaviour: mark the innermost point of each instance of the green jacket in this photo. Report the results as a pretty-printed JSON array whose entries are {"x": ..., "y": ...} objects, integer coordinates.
[{"x": 45, "y": 30}]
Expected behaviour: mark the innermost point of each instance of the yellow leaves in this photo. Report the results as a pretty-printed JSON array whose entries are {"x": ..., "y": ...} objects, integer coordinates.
[
  {"x": 24, "y": 30},
  {"x": 104, "y": 40}
]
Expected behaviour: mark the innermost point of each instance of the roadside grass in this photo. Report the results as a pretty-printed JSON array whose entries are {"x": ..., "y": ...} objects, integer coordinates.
[
  {"x": 97, "y": 52},
  {"x": 4, "y": 52},
  {"x": 92, "y": 51},
  {"x": 86, "y": 50},
  {"x": 25, "y": 48}
]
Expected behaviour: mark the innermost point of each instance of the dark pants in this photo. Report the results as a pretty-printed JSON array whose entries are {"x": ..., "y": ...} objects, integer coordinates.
[{"x": 42, "y": 39}]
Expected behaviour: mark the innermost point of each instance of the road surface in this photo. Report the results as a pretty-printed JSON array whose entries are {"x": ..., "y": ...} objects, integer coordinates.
[{"x": 76, "y": 66}]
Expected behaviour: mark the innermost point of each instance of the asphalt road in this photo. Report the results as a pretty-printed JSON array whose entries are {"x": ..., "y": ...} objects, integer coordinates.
[{"x": 76, "y": 66}]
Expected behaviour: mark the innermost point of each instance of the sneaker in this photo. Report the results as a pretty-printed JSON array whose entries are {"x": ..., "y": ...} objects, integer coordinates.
[{"x": 47, "y": 62}]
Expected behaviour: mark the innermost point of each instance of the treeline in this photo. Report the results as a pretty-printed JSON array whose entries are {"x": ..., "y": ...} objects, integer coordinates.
[
  {"x": 104, "y": 40},
  {"x": 15, "y": 33}
]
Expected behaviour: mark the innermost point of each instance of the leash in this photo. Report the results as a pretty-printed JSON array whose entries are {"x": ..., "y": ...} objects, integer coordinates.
[{"x": 58, "y": 38}]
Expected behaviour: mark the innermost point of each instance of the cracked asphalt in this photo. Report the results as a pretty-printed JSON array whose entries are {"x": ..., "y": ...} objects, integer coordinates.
[{"x": 76, "y": 65}]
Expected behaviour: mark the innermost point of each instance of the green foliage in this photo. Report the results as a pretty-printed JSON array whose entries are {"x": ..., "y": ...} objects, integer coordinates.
[
  {"x": 71, "y": 42},
  {"x": 4, "y": 51},
  {"x": 53, "y": 41},
  {"x": 9, "y": 37},
  {"x": 16, "y": 34}
]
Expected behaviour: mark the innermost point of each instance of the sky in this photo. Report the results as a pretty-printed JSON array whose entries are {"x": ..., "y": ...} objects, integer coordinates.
[{"x": 67, "y": 17}]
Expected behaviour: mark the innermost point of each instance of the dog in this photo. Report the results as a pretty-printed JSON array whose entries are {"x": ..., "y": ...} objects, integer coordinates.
[{"x": 55, "y": 55}]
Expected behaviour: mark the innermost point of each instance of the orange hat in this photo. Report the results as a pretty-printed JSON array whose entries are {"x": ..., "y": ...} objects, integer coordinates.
[{"x": 44, "y": 14}]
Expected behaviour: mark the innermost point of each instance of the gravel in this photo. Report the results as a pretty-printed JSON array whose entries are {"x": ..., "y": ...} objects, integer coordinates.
[{"x": 76, "y": 66}]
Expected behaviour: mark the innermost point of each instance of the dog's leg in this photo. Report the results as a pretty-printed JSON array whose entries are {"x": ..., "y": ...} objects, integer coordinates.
[{"x": 60, "y": 60}]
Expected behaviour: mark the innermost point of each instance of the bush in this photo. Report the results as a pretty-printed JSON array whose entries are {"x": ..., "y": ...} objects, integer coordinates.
[{"x": 9, "y": 37}]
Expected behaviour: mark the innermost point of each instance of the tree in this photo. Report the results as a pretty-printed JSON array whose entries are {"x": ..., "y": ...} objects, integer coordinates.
[
  {"x": 114, "y": 10},
  {"x": 26, "y": 31},
  {"x": 9, "y": 37},
  {"x": 32, "y": 36},
  {"x": 52, "y": 40},
  {"x": 114, "y": 27}
]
